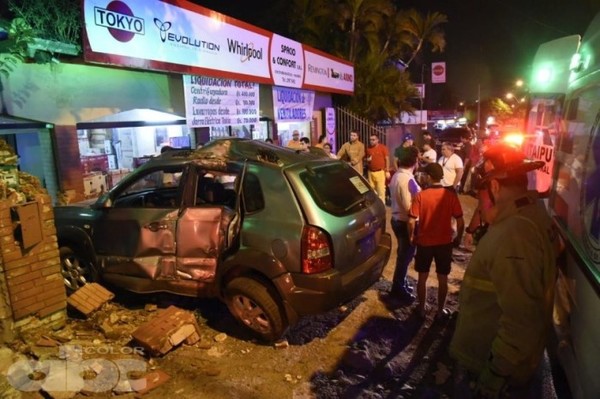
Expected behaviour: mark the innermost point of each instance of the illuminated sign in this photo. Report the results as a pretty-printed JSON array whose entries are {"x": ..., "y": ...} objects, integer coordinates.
[
  {"x": 220, "y": 102},
  {"x": 118, "y": 18},
  {"x": 323, "y": 72},
  {"x": 287, "y": 62},
  {"x": 186, "y": 38},
  {"x": 292, "y": 105}
]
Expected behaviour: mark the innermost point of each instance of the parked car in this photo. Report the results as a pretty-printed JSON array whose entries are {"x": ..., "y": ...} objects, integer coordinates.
[
  {"x": 274, "y": 233},
  {"x": 452, "y": 135}
]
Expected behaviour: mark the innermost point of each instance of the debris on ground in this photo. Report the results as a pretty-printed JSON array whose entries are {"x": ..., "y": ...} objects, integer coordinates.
[
  {"x": 89, "y": 298},
  {"x": 168, "y": 329}
]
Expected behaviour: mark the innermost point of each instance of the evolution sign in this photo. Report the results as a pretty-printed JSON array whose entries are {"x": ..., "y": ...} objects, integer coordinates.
[{"x": 182, "y": 37}]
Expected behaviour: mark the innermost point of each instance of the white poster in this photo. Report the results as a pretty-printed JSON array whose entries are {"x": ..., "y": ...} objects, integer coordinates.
[
  {"x": 215, "y": 101},
  {"x": 330, "y": 127},
  {"x": 287, "y": 62},
  {"x": 420, "y": 90},
  {"x": 438, "y": 72},
  {"x": 416, "y": 118},
  {"x": 323, "y": 72},
  {"x": 293, "y": 105}
]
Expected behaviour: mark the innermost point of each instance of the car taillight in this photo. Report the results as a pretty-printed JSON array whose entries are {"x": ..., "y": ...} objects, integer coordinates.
[{"x": 316, "y": 250}]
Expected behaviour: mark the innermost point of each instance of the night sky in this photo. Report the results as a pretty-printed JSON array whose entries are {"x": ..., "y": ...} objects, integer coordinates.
[{"x": 490, "y": 43}]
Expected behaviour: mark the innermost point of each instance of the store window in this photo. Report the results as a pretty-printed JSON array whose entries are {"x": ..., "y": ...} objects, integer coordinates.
[{"x": 111, "y": 148}]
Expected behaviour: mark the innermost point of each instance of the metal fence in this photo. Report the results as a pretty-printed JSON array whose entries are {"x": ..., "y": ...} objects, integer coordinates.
[{"x": 347, "y": 121}]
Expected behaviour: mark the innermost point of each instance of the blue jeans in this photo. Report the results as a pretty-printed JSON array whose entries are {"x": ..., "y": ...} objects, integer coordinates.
[{"x": 403, "y": 257}]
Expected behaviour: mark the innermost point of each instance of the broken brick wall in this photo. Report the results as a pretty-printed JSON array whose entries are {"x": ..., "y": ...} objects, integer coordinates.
[{"x": 32, "y": 292}]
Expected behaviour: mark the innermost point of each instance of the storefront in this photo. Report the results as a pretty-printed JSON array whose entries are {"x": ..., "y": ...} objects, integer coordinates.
[
  {"x": 215, "y": 76},
  {"x": 84, "y": 105},
  {"x": 238, "y": 80}
]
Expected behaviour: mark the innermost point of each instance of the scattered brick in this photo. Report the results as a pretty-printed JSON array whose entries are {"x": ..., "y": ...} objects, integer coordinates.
[
  {"x": 282, "y": 344},
  {"x": 89, "y": 298},
  {"x": 150, "y": 381},
  {"x": 168, "y": 329},
  {"x": 150, "y": 307},
  {"x": 47, "y": 342}
]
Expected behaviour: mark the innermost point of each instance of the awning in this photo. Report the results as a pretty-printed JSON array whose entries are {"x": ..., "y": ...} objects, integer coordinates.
[
  {"x": 8, "y": 122},
  {"x": 133, "y": 118}
]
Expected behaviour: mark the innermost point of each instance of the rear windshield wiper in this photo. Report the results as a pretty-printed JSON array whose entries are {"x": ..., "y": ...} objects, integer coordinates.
[{"x": 355, "y": 203}]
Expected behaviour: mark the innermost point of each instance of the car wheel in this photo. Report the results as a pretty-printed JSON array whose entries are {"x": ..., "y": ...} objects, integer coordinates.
[
  {"x": 253, "y": 305},
  {"x": 76, "y": 270}
]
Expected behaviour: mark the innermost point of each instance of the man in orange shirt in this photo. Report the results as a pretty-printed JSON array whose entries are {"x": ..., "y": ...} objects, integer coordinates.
[
  {"x": 434, "y": 207},
  {"x": 295, "y": 143},
  {"x": 378, "y": 160}
]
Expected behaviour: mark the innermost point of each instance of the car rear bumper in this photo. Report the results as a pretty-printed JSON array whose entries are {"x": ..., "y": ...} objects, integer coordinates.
[{"x": 318, "y": 293}]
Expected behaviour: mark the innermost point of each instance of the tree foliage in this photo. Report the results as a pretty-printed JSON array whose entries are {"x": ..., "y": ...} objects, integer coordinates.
[
  {"x": 374, "y": 36},
  {"x": 58, "y": 20},
  {"x": 13, "y": 50},
  {"x": 496, "y": 108}
]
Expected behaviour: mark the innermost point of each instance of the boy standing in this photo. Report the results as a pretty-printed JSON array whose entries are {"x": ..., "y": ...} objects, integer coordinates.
[{"x": 434, "y": 207}]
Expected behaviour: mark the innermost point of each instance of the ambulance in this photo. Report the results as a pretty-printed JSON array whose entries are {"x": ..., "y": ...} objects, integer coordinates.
[
  {"x": 547, "y": 89},
  {"x": 566, "y": 123}
]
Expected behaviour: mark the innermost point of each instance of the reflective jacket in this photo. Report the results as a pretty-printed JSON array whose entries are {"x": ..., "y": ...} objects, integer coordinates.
[{"x": 507, "y": 293}]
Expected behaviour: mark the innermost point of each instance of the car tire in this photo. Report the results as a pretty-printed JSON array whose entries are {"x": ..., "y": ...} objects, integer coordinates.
[
  {"x": 253, "y": 305},
  {"x": 76, "y": 269}
]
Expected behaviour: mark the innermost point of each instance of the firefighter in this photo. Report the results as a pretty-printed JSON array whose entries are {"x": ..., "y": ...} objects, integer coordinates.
[{"x": 507, "y": 293}]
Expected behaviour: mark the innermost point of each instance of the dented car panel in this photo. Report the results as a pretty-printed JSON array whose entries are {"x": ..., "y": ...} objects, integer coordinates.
[
  {"x": 135, "y": 242},
  {"x": 201, "y": 233}
]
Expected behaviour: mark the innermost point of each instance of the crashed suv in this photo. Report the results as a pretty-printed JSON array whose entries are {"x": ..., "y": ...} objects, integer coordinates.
[{"x": 273, "y": 233}]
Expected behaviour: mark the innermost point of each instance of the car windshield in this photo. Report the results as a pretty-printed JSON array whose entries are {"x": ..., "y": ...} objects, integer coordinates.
[{"x": 336, "y": 188}]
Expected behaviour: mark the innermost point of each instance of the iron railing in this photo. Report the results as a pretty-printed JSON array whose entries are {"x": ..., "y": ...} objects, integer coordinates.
[{"x": 348, "y": 121}]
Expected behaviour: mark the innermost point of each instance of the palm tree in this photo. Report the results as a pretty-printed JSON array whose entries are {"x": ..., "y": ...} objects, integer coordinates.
[
  {"x": 372, "y": 35},
  {"x": 416, "y": 30},
  {"x": 381, "y": 90},
  {"x": 311, "y": 21},
  {"x": 361, "y": 22}
]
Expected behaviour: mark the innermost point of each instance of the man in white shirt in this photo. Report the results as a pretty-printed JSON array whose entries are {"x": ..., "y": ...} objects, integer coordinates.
[
  {"x": 403, "y": 188},
  {"x": 452, "y": 165},
  {"x": 429, "y": 155}
]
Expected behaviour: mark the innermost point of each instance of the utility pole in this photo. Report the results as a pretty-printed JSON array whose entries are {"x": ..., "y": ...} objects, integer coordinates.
[
  {"x": 479, "y": 108},
  {"x": 423, "y": 95}
]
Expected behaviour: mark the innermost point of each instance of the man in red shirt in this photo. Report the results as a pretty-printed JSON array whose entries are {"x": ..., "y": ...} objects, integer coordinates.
[
  {"x": 378, "y": 160},
  {"x": 434, "y": 208}
]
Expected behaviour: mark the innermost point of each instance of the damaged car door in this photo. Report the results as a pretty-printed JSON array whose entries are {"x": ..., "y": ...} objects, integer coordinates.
[
  {"x": 135, "y": 233},
  {"x": 206, "y": 226}
]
